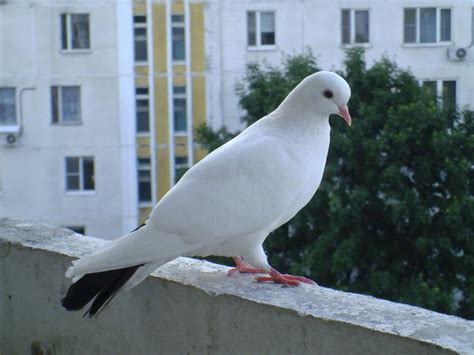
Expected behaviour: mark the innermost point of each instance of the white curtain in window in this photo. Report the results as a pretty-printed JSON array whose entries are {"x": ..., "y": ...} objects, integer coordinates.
[
  {"x": 428, "y": 25},
  {"x": 361, "y": 26},
  {"x": 267, "y": 22},
  {"x": 71, "y": 104}
]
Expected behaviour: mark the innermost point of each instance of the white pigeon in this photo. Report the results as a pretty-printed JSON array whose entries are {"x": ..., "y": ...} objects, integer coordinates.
[{"x": 229, "y": 202}]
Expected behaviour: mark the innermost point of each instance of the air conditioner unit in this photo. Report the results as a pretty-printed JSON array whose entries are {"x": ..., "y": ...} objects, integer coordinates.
[{"x": 457, "y": 53}]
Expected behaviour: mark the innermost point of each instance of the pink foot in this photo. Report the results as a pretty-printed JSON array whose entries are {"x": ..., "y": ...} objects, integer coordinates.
[
  {"x": 285, "y": 279},
  {"x": 244, "y": 268}
]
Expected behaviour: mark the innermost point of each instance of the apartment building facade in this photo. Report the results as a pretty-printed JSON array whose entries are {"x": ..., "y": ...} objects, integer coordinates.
[
  {"x": 67, "y": 143},
  {"x": 433, "y": 38}
]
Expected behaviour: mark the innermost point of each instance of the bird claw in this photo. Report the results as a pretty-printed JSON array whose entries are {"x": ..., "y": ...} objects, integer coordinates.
[
  {"x": 246, "y": 270},
  {"x": 285, "y": 279}
]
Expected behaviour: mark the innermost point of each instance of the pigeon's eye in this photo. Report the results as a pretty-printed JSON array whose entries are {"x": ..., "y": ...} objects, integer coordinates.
[{"x": 328, "y": 94}]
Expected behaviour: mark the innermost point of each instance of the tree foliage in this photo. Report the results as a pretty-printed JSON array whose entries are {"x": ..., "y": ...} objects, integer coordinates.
[{"x": 394, "y": 215}]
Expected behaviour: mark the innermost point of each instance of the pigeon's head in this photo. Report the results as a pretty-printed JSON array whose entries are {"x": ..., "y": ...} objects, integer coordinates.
[{"x": 327, "y": 93}]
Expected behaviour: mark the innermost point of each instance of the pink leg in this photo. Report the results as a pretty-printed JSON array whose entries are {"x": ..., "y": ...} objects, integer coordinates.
[
  {"x": 244, "y": 268},
  {"x": 285, "y": 279}
]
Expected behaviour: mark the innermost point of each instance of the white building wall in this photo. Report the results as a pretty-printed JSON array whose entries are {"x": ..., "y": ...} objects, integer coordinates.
[
  {"x": 33, "y": 170},
  {"x": 317, "y": 24}
]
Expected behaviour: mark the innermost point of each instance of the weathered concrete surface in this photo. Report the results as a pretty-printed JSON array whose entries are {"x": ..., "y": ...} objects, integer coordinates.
[{"x": 193, "y": 307}]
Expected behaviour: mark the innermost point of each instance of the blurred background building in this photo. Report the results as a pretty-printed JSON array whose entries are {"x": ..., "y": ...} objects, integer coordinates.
[{"x": 99, "y": 99}]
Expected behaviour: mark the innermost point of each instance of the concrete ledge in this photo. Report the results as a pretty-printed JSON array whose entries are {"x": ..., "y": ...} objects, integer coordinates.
[{"x": 192, "y": 307}]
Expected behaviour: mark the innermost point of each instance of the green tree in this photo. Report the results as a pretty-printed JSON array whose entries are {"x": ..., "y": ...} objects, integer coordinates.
[{"x": 394, "y": 215}]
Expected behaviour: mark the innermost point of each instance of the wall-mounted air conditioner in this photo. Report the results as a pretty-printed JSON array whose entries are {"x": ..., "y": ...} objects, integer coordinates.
[{"x": 458, "y": 54}]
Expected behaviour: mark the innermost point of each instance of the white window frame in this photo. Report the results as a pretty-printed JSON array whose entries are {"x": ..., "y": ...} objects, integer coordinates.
[
  {"x": 178, "y": 25},
  {"x": 352, "y": 31},
  {"x": 143, "y": 97},
  {"x": 181, "y": 96},
  {"x": 140, "y": 25},
  {"x": 439, "y": 88},
  {"x": 144, "y": 167},
  {"x": 69, "y": 49},
  {"x": 258, "y": 32},
  {"x": 438, "y": 41},
  {"x": 60, "y": 106},
  {"x": 81, "y": 190},
  {"x": 14, "y": 126}
]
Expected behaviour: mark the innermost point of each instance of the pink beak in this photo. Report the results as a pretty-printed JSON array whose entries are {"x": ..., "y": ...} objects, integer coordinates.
[{"x": 344, "y": 113}]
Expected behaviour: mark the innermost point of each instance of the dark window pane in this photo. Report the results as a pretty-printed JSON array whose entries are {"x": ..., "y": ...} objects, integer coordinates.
[
  {"x": 449, "y": 95},
  {"x": 141, "y": 52},
  {"x": 143, "y": 119},
  {"x": 177, "y": 18},
  {"x": 144, "y": 191},
  {"x": 180, "y": 123},
  {"x": 446, "y": 25},
  {"x": 80, "y": 31},
  {"x": 346, "y": 26},
  {"x": 144, "y": 161},
  {"x": 179, "y": 89},
  {"x": 71, "y": 103},
  {"x": 139, "y": 19},
  {"x": 72, "y": 182},
  {"x": 361, "y": 26},
  {"x": 179, "y": 160},
  {"x": 88, "y": 171},
  {"x": 7, "y": 106},
  {"x": 141, "y": 91},
  {"x": 64, "y": 31},
  {"x": 251, "y": 29},
  {"x": 77, "y": 229},
  {"x": 54, "y": 104},
  {"x": 72, "y": 165},
  {"x": 427, "y": 25},
  {"x": 178, "y": 43},
  {"x": 409, "y": 32},
  {"x": 267, "y": 28}
]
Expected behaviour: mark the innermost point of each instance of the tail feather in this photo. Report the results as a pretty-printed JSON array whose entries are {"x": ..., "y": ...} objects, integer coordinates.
[{"x": 100, "y": 286}]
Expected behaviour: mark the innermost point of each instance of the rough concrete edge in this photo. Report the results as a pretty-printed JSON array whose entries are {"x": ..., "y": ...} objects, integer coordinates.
[{"x": 91, "y": 245}]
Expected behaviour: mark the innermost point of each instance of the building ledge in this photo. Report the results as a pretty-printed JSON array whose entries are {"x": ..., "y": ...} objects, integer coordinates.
[{"x": 192, "y": 306}]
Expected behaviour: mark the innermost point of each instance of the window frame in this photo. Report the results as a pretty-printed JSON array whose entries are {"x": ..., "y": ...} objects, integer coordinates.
[
  {"x": 7, "y": 127},
  {"x": 181, "y": 95},
  {"x": 69, "y": 38},
  {"x": 438, "y": 42},
  {"x": 137, "y": 25},
  {"x": 439, "y": 89},
  {"x": 352, "y": 28},
  {"x": 142, "y": 96},
  {"x": 60, "y": 121},
  {"x": 175, "y": 25},
  {"x": 142, "y": 166},
  {"x": 258, "y": 31},
  {"x": 81, "y": 190}
]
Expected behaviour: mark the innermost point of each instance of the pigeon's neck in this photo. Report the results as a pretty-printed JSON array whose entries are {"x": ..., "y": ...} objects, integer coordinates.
[{"x": 295, "y": 118}]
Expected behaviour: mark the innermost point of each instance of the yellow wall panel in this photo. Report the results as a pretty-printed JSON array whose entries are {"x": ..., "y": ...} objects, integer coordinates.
[
  {"x": 141, "y": 70},
  {"x": 177, "y": 8},
  {"x": 179, "y": 80},
  {"x": 141, "y": 81},
  {"x": 159, "y": 37},
  {"x": 163, "y": 171},
  {"x": 199, "y": 100},
  {"x": 143, "y": 213},
  {"x": 161, "y": 110},
  {"x": 139, "y": 7},
  {"x": 197, "y": 38},
  {"x": 179, "y": 69}
]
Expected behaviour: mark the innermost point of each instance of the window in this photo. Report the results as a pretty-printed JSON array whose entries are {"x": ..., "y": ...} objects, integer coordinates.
[
  {"x": 144, "y": 180},
  {"x": 260, "y": 29},
  {"x": 140, "y": 38},
  {"x": 75, "y": 31},
  {"x": 179, "y": 109},
  {"x": 142, "y": 107},
  {"x": 426, "y": 25},
  {"x": 77, "y": 229},
  {"x": 178, "y": 37},
  {"x": 66, "y": 104},
  {"x": 79, "y": 173},
  {"x": 7, "y": 106},
  {"x": 443, "y": 92},
  {"x": 180, "y": 166},
  {"x": 355, "y": 26}
]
